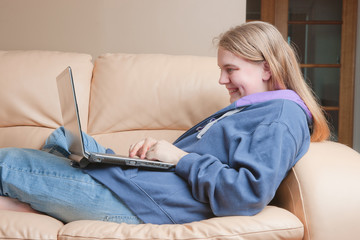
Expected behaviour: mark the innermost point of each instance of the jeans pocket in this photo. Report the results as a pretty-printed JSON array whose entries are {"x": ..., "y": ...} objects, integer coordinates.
[{"x": 122, "y": 219}]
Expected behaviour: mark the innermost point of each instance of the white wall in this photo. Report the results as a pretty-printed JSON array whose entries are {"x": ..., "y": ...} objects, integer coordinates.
[
  {"x": 356, "y": 145},
  {"x": 133, "y": 26}
]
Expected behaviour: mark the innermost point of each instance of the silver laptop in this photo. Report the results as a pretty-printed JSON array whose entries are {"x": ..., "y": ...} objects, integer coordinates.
[{"x": 71, "y": 119}]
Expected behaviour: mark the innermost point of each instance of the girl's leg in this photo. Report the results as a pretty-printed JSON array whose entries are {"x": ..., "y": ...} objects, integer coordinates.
[{"x": 49, "y": 184}]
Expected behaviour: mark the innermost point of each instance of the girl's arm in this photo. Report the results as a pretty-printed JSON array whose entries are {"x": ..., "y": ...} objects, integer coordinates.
[{"x": 255, "y": 169}]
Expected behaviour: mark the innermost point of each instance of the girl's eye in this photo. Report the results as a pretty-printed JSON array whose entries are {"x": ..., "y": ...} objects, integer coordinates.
[{"x": 229, "y": 70}]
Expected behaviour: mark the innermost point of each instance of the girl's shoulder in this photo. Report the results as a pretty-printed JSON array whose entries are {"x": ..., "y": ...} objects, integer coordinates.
[{"x": 278, "y": 111}]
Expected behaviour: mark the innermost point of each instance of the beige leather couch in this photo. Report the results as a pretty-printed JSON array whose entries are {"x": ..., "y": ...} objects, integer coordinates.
[{"x": 124, "y": 98}]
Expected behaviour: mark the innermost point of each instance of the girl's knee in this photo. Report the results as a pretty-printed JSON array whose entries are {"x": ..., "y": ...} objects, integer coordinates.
[{"x": 57, "y": 138}]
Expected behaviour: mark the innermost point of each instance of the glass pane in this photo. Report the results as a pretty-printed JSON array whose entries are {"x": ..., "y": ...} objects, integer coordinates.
[
  {"x": 307, "y": 10},
  {"x": 253, "y": 9},
  {"x": 317, "y": 44},
  {"x": 325, "y": 84}
]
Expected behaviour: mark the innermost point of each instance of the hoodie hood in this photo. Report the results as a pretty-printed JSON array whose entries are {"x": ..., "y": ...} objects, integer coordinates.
[{"x": 272, "y": 95}]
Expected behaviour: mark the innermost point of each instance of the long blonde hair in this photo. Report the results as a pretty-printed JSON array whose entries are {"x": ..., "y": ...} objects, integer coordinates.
[{"x": 259, "y": 41}]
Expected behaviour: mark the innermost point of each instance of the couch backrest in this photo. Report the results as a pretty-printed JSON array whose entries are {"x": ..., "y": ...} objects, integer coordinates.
[
  {"x": 30, "y": 109},
  {"x": 134, "y": 96}
]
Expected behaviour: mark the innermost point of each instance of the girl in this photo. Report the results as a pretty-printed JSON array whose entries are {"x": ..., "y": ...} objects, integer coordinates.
[{"x": 229, "y": 164}]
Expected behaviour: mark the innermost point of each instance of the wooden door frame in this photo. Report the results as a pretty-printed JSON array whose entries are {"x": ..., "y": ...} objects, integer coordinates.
[{"x": 347, "y": 71}]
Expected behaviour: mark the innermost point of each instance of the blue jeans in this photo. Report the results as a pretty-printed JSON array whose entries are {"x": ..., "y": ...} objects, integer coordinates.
[{"x": 46, "y": 181}]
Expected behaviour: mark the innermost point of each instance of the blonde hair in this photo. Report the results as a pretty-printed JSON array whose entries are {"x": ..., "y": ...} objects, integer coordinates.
[{"x": 259, "y": 41}]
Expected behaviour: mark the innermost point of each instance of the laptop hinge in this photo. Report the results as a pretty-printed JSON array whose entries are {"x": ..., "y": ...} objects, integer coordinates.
[{"x": 78, "y": 161}]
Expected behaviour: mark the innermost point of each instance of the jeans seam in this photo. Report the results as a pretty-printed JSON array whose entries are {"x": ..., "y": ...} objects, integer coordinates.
[
  {"x": 118, "y": 218},
  {"x": 38, "y": 173}
]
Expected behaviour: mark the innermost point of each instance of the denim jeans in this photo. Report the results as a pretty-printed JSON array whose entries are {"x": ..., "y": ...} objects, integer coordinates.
[{"x": 46, "y": 181}]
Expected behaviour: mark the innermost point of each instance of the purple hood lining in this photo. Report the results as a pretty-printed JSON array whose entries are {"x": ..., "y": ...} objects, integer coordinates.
[{"x": 272, "y": 95}]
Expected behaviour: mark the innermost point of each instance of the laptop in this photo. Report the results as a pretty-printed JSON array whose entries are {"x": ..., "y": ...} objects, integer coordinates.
[{"x": 79, "y": 155}]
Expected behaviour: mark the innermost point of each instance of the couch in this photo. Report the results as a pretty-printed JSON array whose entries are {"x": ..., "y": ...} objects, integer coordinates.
[{"x": 125, "y": 97}]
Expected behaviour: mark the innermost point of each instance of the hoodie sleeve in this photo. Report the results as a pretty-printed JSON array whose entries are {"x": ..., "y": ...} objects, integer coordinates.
[{"x": 257, "y": 163}]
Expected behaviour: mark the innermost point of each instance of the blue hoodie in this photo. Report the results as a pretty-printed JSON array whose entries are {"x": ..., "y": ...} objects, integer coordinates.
[{"x": 234, "y": 166}]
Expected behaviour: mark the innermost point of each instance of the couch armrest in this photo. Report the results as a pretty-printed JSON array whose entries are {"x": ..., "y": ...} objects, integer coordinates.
[{"x": 323, "y": 191}]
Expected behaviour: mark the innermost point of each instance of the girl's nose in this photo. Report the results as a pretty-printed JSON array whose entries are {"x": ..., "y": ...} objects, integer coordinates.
[{"x": 223, "y": 79}]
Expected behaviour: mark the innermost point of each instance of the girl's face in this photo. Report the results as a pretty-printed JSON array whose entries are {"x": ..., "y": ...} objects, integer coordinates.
[{"x": 242, "y": 77}]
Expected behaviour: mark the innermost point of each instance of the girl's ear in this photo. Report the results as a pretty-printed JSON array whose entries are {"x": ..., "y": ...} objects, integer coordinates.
[{"x": 266, "y": 71}]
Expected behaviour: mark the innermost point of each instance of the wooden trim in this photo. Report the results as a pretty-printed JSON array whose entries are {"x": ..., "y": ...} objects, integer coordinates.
[
  {"x": 320, "y": 65},
  {"x": 328, "y": 108},
  {"x": 317, "y": 22},
  {"x": 347, "y": 72}
]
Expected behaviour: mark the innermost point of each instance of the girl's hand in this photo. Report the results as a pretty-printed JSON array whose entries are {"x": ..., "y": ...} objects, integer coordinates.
[
  {"x": 152, "y": 149},
  {"x": 140, "y": 149}
]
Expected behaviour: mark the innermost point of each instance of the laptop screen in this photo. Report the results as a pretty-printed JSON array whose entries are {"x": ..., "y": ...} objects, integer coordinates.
[{"x": 69, "y": 110}]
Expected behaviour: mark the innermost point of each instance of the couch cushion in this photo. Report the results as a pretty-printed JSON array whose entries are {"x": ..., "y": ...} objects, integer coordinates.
[
  {"x": 30, "y": 108},
  {"x": 20, "y": 225},
  {"x": 150, "y": 92},
  {"x": 272, "y": 223}
]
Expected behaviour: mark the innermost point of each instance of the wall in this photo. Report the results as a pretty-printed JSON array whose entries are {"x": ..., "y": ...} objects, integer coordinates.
[
  {"x": 132, "y": 26},
  {"x": 356, "y": 145}
]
